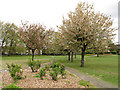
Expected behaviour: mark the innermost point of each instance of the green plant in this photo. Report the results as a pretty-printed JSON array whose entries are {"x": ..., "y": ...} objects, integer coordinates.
[
  {"x": 12, "y": 86},
  {"x": 56, "y": 70},
  {"x": 37, "y": 76},
  {"x": 2, "y": 84},
  {"x": 42, "y": 73},
  {"x": 47, "y": 67},
  {"x": 86, "y": 84},
  {"x": 53, "y": 75},
  {"x": 15, "y": 71},
  {"x": 34, "y": 65},
  {"x": 54, "y": 65},
  {"x": 62, "y": 71},
  {"x": 67, "y": 81}
]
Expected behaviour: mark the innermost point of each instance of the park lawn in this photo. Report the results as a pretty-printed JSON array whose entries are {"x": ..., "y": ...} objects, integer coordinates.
[
  {"x": 23, "y": 60},
  {"x": 103, "y": 67}
]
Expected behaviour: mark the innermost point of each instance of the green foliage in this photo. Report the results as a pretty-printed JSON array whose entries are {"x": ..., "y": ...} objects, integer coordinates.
[
  {"x": 53, "y": 74},
  {"x": 37, "y": 76},
  {"x": 67, "y": 81},
  {"x": 34, "y": 65},
  {"x": 54, "y": 65},
  {"x": 86, "y": 84},
  {"x": 42, "y": 72},
  {"x": 57, "y": 68},
  {"x": 15, "y": 71},
  {"x": 11, "y": 86},
  {"x": 2, "y": 83},
  {"x": 47, "y": 67},
  {"x": 62, "y": 70},
  {"x": 114, "y": 52},
  {"x": 11, "y": 42}
]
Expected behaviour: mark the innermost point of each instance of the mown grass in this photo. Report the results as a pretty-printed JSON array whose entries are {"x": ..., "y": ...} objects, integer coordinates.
[
  {"x": 23, "y": 60},
  {"x": 103, "y": 67}
]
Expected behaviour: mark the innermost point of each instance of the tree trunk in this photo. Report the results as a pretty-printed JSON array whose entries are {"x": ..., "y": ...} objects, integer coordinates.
[
  {"x": 82, "y": 58},
  {"x": 97, "y": 54},
  {"x": 9, "y": 53},
  {"x": 75, "y": 55},
  {"x": 68, "y": 56},
  {"x": 33, "y": 50},
  {"x": 72, "y": 57},
  {"x": 38, "y": 52}
]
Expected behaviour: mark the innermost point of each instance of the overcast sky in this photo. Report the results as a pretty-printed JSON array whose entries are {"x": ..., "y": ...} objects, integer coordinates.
[{"x": 50, "y": 12}]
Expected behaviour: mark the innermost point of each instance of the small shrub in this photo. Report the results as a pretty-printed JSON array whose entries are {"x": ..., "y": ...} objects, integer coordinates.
[
  {"x": 47, "y": 67},
  {"x": 42, "y": 73},
  {"x": 15, "y": 71},
  {"x": 34, "y": 65},
  {"x": 62, "y": 71},
  {"x": 54, "y": 65},
  {"x": 53, "y": 75}
]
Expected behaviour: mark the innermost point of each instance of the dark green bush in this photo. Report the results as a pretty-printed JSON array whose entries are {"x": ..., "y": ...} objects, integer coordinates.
[
  {"x": 15, "y": 71},
  {"x": 114, "y": 52},
  {"x": 34, "y": 65},
  {"x": 42, "y": 72}
]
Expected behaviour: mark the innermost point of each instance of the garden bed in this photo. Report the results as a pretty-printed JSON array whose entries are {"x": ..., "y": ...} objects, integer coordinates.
[{"x": 32, "y": 81}]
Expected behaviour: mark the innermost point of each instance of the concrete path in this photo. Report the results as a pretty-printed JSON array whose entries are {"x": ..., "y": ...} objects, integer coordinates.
[{"x": 95, "y": 81}]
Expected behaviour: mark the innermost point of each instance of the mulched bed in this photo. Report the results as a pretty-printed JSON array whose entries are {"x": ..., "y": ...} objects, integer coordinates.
[{"x": 34, "y": 82}]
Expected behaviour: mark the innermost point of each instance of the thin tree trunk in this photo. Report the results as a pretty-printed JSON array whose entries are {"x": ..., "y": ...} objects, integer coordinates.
[
  {"x": 68, "y": 56},
  {"x": 82, "y": 58},
  {"x": 72, "y": 57},
  {"x": 75, "y": 55},
  {"x": 38, "y": 52},
  {"x": 33, "y": 50},
  {"x": 97, "y": 54}
]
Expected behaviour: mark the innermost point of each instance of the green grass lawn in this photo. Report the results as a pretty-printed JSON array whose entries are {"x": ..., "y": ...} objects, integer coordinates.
[{"x": 103, "y": 67}]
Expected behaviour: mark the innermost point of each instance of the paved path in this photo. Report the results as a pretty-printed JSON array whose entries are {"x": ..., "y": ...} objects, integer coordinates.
[{"x": 95, "y": 81}]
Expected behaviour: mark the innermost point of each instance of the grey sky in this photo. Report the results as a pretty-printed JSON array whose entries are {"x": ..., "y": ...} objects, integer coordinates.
[{"x": 50, "y": 12}]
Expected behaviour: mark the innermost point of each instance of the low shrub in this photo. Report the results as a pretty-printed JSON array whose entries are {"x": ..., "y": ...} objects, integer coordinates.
[
  {"x": 53, "y": 75},
  {"x": 42, "y": 72},
  {"x": 62, "y": 71},
  {"x": 54, "y": 65},
  {"x": 15, "y": 71},
  {"x": 114, "y": 52},
  {"x": 34, "y": 65},
  {"x": 47, "y": 67}
]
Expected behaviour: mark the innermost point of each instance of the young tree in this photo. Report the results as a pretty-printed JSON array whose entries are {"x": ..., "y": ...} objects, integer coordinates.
[
  {"x": 33, "y": 36},
  {"x": 83, "y": 27}
]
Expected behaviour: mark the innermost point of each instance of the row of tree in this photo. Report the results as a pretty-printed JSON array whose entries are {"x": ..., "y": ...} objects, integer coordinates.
[{"x": 84, "y": 30}]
